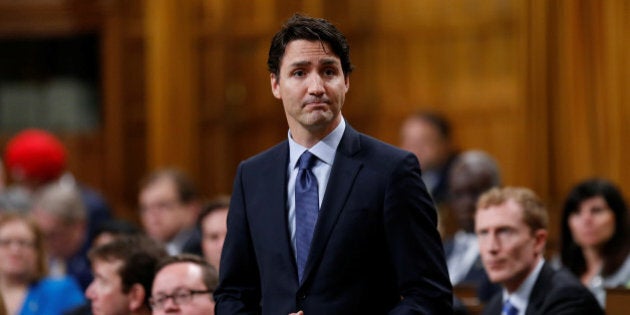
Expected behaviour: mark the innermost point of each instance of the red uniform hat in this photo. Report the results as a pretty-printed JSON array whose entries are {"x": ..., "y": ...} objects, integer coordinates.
[{"x": 35, "y": 155}]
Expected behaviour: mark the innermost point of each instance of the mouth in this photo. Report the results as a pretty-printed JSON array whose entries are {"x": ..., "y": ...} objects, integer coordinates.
[{"x": 316, "y": 103}]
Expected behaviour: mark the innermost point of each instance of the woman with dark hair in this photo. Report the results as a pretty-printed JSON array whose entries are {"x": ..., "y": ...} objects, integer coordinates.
[{"x": 595, "y": 243}]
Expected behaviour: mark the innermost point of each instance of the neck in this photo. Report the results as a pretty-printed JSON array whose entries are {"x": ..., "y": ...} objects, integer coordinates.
[
  {"x": 308, "y": 137},
  {"x": 594, "y": 262},
  {"x": 13, "y": 283}
]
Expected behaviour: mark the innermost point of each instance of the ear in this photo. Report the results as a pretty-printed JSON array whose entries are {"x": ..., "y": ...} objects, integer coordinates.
[
  {"x": 136, "y": 296},
  {"x": 275, "y": 85},
  {"x": 347, "y": 80},
  {"x": 540, "y": 239}
]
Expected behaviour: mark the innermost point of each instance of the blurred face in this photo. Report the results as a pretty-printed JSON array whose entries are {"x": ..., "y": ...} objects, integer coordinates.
[
  {"x": 593, "y": 224},
  {"x": 178, "y": 279},
  {"x": 62, "y": 240},
  {"x": 213, "y": 229},
  {"x": 464, "y": 189},
  {"x": 509, "y": 249},
  {"x": 424, "y": 140},
  {"x": 18, "y": 256},
  {"x": 162, "y": 214},
  {"x": 105, "y": 292},
  {"x": 311, "y": 85}
]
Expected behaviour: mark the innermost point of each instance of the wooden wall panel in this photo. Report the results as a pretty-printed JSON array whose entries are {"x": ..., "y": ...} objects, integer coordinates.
[{"x": 540, "y": 85}]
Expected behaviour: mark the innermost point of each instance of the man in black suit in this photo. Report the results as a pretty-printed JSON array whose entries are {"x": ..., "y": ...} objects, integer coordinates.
[
  {"x": 330, "y": 221},
  {"x": 511, "y": 226}
]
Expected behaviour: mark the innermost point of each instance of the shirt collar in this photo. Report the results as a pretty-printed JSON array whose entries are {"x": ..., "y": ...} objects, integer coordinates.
[
  {"x": 520, "y": 297},
  {"x": 325, "y": 149}
]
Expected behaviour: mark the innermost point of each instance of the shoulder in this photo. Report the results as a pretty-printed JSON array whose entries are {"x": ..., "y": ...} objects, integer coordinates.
[
  {"x": 621, "y": 276},
  {"x": 277, "y": 152},
  {"x": 50, "y": 285},
  {"x": 559, "y": 291}
]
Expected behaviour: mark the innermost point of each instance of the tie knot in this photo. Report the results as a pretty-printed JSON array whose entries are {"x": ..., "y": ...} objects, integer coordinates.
[
  {"x": 307, "y": 160},
  {"x": 509, "y": 309}
]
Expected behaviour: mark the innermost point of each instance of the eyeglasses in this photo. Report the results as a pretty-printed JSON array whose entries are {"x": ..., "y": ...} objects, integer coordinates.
[
  {"x": 179, "y": 298},
  {"x": 21, "y": 243}
]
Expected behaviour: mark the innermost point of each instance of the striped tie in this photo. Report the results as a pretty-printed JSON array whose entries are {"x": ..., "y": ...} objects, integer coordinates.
[{"x": 509, "y": 309}]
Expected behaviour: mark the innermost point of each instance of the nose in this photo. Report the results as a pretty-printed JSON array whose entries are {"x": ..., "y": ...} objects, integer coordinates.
[
  {"x": 316, "y": 85},
  {"x": 89, "y": 292},
  {"x": 170, "y": 306}
]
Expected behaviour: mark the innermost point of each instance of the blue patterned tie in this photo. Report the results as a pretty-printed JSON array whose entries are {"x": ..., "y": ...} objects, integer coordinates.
[
  {"x": 509, "y": 309},
  {"x": 306, "y": 208}
]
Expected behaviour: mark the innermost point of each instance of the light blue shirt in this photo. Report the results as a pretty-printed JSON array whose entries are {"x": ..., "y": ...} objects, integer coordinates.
[
  {"x": 325, "y": 151},
  {"x": 520, "y": 297}
]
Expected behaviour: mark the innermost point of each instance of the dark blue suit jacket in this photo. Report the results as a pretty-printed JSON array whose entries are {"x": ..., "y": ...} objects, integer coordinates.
[
  {"x": 375, "y": 249},
  {"x": 554, "y": 293}
]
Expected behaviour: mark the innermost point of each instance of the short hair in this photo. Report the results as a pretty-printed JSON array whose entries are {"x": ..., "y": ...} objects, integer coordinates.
[
  {"x": 534, "y": 213},
  {"x": 139, "y": 256},
  {"x": 219, "y": 202},
  {"x": 614, "y": 250},
  {"x": 41, "y": 261},
  {"x": 312, "y": 29},
  {"x": 186, "y": 189},
  {"x": 439, "y": 122},
  {"x": 62, "y": 201},
  {"x": 209, "y": 274},
  {"x": 117, "y": 227},
  {"x": 478, "y": 163}
]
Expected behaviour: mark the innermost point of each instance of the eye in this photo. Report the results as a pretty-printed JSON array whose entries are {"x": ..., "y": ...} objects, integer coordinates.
[
  {"x": 330, "y": 72},
  {"x": 298, "y": 73}
]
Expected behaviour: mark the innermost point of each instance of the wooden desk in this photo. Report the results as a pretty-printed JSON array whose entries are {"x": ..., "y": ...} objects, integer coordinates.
[
  {"x": 468, "y": 296},
  {"x": 617, "y": 301}
]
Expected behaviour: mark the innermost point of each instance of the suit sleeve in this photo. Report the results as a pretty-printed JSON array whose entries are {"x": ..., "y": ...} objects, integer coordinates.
[
  {"x": 415, "y": 245},
  {"x": 239, "y": 288}
]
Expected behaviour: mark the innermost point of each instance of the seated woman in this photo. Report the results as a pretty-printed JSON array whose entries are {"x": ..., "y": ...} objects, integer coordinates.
[
  {"x": 595, "y": 242},
  {"x": 24, "y": 287}
]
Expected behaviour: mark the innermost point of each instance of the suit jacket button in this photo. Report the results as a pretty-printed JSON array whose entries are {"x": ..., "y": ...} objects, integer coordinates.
[{"x": 302, "y": 296}]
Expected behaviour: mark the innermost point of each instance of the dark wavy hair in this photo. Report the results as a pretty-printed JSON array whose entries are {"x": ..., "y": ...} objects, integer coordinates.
[
  {"x": 139, "y": 256},
  {"x": 616, "y": 249},
  {"x": 311, "y": 29}
]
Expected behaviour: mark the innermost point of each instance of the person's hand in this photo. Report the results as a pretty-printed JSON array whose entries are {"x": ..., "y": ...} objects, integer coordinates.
[{"x": 298, "y": 313}]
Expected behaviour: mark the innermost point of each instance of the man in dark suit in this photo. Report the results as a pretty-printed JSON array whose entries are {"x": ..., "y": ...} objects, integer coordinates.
[
  {"x": 330, "y": 221},
  {"x": 511, "y": 225}
]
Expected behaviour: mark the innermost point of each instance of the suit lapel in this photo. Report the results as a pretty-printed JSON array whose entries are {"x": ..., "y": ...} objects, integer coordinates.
[
  {"x": 539, "y": 291},
  {"x": 273, "y": 178},
  {"x": 342, "y": 176}
]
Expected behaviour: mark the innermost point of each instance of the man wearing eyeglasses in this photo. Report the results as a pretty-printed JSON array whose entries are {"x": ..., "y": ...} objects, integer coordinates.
[{"x": 183, "y": 284}]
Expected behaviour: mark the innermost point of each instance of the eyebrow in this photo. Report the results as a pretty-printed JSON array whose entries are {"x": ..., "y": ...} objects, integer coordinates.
[{"x": 324, "y": 61}]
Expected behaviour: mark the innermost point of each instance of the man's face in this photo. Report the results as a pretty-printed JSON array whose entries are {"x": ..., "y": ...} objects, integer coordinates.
[
  {"x": 425, "y": 141},
  {"x": 105, "y": 292},
  {"x": 311, "y": 85},
  {"x": 213, "y": 229},
  {"x": 465, "y": 187},
  {"x": 509, "y": 249},
  {"x": 178, "y": 278},
  {"x": 162, "y": 214},
  {"x": 62, "y": 240}
]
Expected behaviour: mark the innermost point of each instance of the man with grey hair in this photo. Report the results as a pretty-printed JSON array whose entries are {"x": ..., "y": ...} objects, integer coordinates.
[
  {"x": 472, "y": 173},
  {"x": 60, "y": 213}
]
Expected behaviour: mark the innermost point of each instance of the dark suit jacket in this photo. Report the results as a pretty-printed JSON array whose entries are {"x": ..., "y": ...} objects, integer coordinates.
[
  {"x": 375, "y": 248},
  {"x": 554, "y": 293}
]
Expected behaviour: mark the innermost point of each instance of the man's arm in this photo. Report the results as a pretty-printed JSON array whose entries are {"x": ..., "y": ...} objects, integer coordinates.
[
  {"x": 239, "y": 288},
  {"x": 416, "y": 251}
]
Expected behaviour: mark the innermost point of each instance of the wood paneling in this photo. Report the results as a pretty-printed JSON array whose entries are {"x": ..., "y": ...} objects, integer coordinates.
[{"x": 540, "y": 85}]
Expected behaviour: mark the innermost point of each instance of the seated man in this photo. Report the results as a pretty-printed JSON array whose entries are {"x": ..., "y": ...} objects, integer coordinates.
[
  {"x": 123, "y": 275},
  {"x": 511, "y": 226},
  {"x": 212, "y": 222},
  {"x": 184, "y": 284},
  {"x": 472, "y": 173},
  {"x": 169, "y": 206}
]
